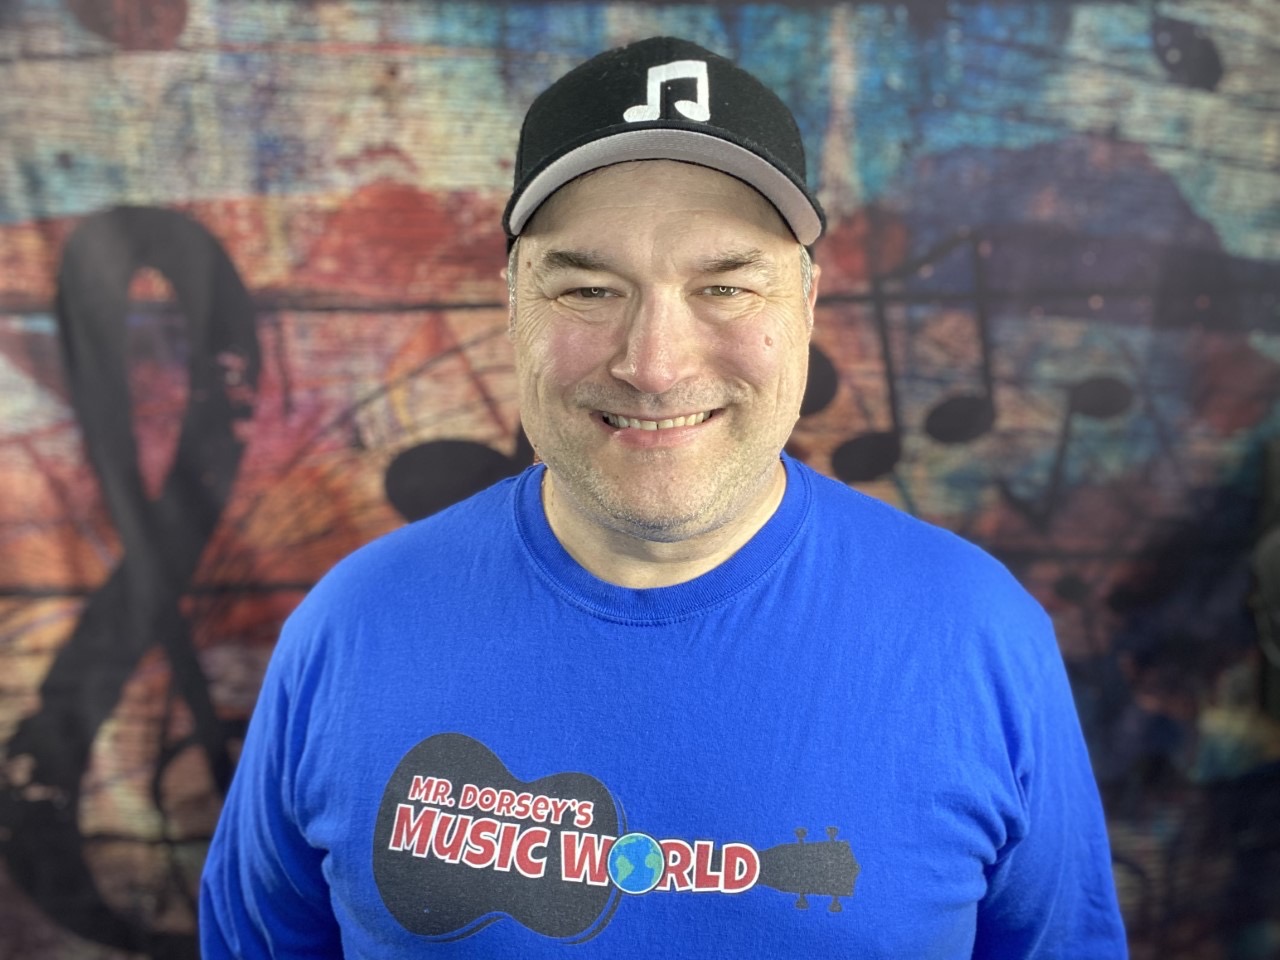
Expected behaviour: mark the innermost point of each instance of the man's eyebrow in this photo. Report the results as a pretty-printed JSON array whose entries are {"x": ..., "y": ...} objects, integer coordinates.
[
  {"x": 739, "y": 260},
  {"x": 556, "y": 260}
]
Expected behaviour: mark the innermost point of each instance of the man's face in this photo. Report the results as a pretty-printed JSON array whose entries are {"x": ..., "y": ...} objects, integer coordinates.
[{"x": 646, "y": 293}]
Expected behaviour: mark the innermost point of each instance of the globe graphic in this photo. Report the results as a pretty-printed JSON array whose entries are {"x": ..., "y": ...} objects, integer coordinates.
[{"x": 636, "y": 863}]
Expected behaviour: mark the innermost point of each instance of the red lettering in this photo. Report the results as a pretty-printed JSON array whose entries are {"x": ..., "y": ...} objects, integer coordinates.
[
  {"x": 704, "y": 877},
  {"x": 558, "y": 810},
  {"x": 679, "y": 865},
  {"x": 488, "y": 798},
  {"x": 507, "y": 845},
  {"x": 741, "y": 867},
  {"x": 447, "y": 844},
  {"x": 540, "y": 806},
  {"x": 482, "y": 847},
  {"x": 412, "y": 829},
  {"x": 521, "y": 808},
  {"x": 585, "y": 856},
  {"x": 440, "y": 793},
  {"x": 505, "y": 799},
  {"x": 420, "y": 787},
  {"x": 529, "y": 841},
  {"x": 584, "y": 816},
  {"x": 467, "y": 799}
]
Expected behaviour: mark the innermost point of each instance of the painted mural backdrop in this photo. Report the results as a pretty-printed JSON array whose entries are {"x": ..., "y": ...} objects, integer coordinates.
[{"x": 251, "y": 317}]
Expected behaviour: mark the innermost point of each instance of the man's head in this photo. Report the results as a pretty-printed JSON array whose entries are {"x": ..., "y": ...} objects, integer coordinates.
[
  {"x": 663, "y": 99},
  {"x": 661, "y": 308}
]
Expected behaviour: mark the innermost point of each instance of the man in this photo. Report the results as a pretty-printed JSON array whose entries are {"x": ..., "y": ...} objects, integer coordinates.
[{"x": 672, "y": 693}]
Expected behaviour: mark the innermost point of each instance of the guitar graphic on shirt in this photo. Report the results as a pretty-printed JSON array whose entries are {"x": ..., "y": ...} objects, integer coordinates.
[{"x": 460, "y": 842}]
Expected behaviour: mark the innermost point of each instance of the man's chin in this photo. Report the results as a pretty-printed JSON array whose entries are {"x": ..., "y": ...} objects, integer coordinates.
[
  {"x": 661, "y": 501},
  {"x": 659, "y": 524}
]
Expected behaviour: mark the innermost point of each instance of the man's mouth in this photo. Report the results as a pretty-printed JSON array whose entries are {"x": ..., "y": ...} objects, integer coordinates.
[{"x": 633, "y": 423}]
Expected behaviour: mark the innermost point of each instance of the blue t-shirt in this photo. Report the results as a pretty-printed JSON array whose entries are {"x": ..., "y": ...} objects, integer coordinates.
[{"x": 854, "y": 738}]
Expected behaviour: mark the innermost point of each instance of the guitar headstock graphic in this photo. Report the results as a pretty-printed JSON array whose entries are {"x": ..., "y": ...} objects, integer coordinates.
[{"x": 823, "y": 869}]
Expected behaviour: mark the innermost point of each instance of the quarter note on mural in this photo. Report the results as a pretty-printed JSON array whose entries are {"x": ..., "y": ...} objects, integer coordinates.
[
  {"x": 874, "y": 453},
  {"x": 963, "y": 417},
  {"x": 1096, "y": 398}
]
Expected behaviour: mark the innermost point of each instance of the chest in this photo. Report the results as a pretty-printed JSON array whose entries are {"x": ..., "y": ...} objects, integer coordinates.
[{"x": 731, "y": 800}]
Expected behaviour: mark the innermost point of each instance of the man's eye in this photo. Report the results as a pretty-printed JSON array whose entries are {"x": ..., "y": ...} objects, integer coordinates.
[
  {"x": 721, "y": 290},
  {"x": 590, "y": 293}
]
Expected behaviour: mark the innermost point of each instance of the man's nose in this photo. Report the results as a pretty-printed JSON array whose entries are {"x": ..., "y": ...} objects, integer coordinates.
[{"x": 660, "y": 347}]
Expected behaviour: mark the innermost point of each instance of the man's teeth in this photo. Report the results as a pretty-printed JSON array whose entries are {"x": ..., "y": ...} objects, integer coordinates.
[{"x": 691, "y": 420}]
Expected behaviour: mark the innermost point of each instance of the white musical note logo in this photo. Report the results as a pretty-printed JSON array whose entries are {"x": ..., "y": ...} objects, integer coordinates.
[{"x": 699, "y": 109}]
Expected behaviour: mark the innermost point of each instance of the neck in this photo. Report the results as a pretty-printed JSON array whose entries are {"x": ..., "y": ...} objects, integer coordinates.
[{"x": 629, "y": 560}]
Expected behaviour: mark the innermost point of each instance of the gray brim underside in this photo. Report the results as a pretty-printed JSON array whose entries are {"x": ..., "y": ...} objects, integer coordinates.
[{"x": 686, "y": 145}]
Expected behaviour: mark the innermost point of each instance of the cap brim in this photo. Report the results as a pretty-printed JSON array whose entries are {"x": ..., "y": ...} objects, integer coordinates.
[{"x": 689, "y": 146}]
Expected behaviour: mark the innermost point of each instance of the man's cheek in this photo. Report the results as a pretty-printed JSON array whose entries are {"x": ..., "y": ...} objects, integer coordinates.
[
  {"x": 761, "y": 357},
  {"x": 576, "y": 352}
]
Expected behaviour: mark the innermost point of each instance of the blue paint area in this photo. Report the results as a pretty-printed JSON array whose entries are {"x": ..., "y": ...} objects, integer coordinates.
[
  {"x": 459, "y": 26},
  {"x": 789, "y": 50},
  {"x": 280, "y": 160},
  {"x": 572, "y": 31},
  {"x": 56, "y": 182},
  {"x": 1061, "y": 183},
  {"x": 972, "y": 80}
]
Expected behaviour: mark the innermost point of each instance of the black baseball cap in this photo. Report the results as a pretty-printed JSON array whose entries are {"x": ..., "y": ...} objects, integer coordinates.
[{"x": 663, "y": 99}]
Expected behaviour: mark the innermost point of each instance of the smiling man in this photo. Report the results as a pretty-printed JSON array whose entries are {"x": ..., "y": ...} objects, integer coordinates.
[
  {"x": 668, "y": 692},
  {"x": 661, "y": 325}
]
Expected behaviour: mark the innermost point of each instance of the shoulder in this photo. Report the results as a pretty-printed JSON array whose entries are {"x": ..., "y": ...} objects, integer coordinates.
[
  {"x": 434, "y": 543},
  {"x": 929, "y": 596},
  {"x": 415, "y": 565},
  {"x": 888, "y": 546}
]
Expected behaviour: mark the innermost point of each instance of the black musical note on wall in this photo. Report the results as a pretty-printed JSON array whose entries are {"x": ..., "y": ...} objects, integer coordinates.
[
  {"x": 426, "y": 478},
  {"x": 1095, "y": 398},
  {"x": 137, "y": 608},
  {"x": 1187, "y": 53},
  {"x": 957, "y": 419},
  {"x": 964, "y": 417},
  {"x": 871, "y": 455},
  {"x": 820, "y": 388}
]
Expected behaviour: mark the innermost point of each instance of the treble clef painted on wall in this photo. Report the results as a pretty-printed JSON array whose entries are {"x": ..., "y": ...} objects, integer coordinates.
[{"x": 137, "y": 608}]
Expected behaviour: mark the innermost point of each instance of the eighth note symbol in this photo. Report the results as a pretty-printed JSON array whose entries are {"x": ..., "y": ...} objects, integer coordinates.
[
  {"x": 699, "y": 109},
  {"x": 1097, "y": 398}
]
